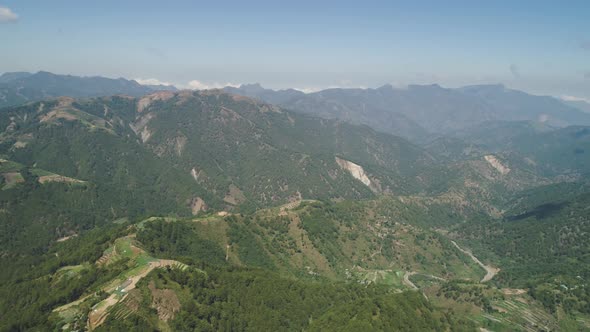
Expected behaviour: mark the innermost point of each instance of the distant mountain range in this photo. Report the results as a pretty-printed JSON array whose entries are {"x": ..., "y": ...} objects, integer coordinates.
[
  {"x": 579, "y": 104},
  {"x": 20, "y": 87},
  {"x": 212, "y": 198},
  {"x": 202, "y": 150},
  {"x": 420, "y": 111}
]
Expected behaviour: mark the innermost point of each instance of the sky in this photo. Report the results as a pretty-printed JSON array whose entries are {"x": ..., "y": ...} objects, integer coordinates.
[{"x": 541, "y": 47}]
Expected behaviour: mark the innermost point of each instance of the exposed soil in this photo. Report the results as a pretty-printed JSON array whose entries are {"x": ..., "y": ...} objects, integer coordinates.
[
  {"x": 164, "y": 301},
  {"x": 234, "y": 196},
  {"x": 99, "y": 312},
  {"x": 513, "y": 291},
  {"x": 197, "y": 205},
  {"x": 146, "y": 101},
  {"x": 58, "y": 178},
  {"x": 490, "y": 271},
  {"x": 12, "y": 178},
  {"x": 495, "y": 163},
  {"x": 65, "y": 238}
]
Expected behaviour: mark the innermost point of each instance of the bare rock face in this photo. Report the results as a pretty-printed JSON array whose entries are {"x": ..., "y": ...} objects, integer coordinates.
[
  {"x": 146, "y": 101},
  {"x": 139, "y": 127},
  {"x": 497, "y": 164},
  {"x": 358, "y": 172},
  {"x": 197, "y": 174},
  {"x": 355, "y": 170}
]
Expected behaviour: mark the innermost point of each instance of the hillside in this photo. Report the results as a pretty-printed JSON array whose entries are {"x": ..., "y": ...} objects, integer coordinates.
[
  {"x": 177, "y": 185},
  {"x": 545, "y": 150},
  {"x": 541, "y": 244},
  {"x": 420, "y": 111},
  {"x": 244, "y": 151},
  {"x": 162, "y": 272},
  {"x": 412, "y": 167},
  {"x": 113, "y": 284},
  {"x": 192, "y": 152},
  {"x": 105, "y": 283}
]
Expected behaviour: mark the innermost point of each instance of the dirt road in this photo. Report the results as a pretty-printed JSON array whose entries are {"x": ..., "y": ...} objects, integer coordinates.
[
  {"x": 490, "y": 271},
  {"x": 100, "y": 311},
  {"x": 407, "y": 281}
]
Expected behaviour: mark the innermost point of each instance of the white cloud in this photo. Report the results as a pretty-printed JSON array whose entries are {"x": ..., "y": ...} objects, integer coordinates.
[
  {"x": 151, "y": 81},
  {"x": 574, "y": 98},
  {"x": 318, "y": 89},
  {"x": 308, "y": 90},
  {"x": 344, "y": 84},
  {"x": 198, "y": 85},
  {"x": 7, "y": 15}
]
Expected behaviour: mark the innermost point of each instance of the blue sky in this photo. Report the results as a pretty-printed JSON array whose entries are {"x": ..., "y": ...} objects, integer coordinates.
[{"x": 540, "y": 47}]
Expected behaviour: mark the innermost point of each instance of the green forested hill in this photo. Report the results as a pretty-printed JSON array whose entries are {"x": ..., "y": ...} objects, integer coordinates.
[
  {"x": 177, "y": 209},
  {"x": 271, "y": 155},
  {"x": 316, "y": 284},
  {"x": 189, "y": 152},
  {"x": 546, "y": 150},
  {"x": 541, "y": 236},
  {"x": 542, "y": 245},
  {"x": 240, "y": 151}
]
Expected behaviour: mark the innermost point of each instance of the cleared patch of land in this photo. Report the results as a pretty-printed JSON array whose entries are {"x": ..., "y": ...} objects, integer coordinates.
[{"x": 118, "y": 289}]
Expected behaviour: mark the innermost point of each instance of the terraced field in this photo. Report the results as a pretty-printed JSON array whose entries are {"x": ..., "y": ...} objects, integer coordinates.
[
  {"x": 518, "y": 311},
  {"x": 12, "y": 174},
  {"x": 118, "y": 289}
]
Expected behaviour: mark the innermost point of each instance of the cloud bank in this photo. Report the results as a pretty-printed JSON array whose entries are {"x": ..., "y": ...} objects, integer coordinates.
[
  {"x": 574, "y": 98},
  {"x": 151, "y": 81},
  {"x": 198, "y": 85},
  {"x": 7, "y": 15}
]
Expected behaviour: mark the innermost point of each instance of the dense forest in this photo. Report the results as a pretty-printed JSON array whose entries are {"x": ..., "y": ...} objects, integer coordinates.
[{"x": 197, "y": 211}]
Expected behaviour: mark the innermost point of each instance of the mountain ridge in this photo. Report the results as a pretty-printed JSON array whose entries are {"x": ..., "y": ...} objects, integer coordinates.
[
  {"x": 420, "y": 111},
  {"x": 21, "y": 87}
]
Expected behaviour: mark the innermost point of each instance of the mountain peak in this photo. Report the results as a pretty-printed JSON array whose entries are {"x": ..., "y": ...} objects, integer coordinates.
[
  {"x": 44, "y": 73},
  {"x": 11, "y": 76},
  {"x": 252, "y": 87}
]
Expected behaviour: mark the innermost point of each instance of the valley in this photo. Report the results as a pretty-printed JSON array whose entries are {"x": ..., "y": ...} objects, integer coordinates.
[
  {"x": 190, "y": 201},
  {"x": 508, "y": 308},
  {"x": 257, "y": 166}
]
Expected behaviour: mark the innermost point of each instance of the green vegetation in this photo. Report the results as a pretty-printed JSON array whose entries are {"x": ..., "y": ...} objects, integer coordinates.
[
  {"x": 178, "y": 240},
  {"x": 34, "y": 285},
  {"x": 238, "y": 299},
  {"x": 207, "y": 211},
  {"x": 541, "y": 246}
]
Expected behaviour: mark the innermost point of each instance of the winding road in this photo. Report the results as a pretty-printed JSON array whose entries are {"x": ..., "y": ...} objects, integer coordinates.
[
  {"x": 407, "y": 280},
  {"x": 490, "y": 271}
]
